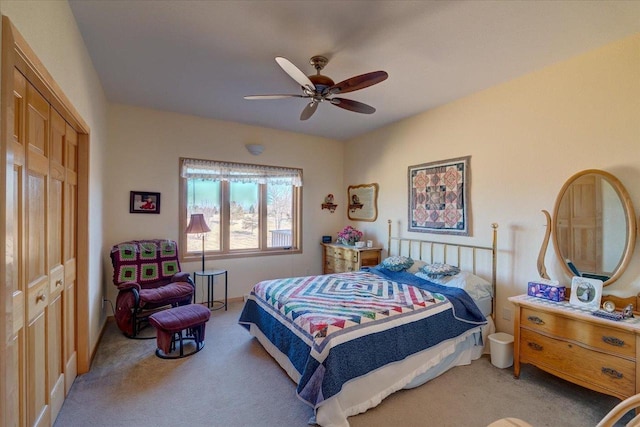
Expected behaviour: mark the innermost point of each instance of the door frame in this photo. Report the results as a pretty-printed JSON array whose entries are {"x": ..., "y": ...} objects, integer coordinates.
[{"x": 16, "y": 53}]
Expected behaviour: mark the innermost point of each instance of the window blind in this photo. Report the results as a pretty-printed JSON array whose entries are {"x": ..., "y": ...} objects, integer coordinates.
[{"x": 213, "y": 170}]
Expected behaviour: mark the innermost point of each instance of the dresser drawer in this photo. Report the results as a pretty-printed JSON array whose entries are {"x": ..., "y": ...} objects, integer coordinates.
[
  {"x": 341, "y": 253},
  {"x": 329, "y": 251},
  {"x": 580, "y": 364},
  {"x": 329, "y": 265},
  {"x": 610, "y": 340},
  {"x": 342, "y": 265}
]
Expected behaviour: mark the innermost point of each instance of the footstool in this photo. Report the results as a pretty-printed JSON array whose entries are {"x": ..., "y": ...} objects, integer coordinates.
[{"x": 170, "y": 325}]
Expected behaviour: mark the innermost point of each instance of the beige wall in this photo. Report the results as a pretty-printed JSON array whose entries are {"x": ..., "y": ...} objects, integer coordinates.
[
  {"x": 144, "y": 148},
  {"x": 50, "y": 29},
  {"x": 526, "y": 137}
]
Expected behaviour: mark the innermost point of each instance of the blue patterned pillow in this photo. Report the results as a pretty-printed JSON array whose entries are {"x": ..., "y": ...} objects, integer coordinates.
[
  {"x": 397, "y": 263},
  {"x": 439, "y": 270}
]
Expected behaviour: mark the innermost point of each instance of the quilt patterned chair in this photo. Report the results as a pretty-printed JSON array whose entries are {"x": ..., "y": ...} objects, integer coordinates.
[{"x": 147, "y": 274}]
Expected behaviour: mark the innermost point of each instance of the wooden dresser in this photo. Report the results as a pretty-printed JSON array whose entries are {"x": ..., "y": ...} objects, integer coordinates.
[
  {"x": 572, "y": 344},
  {"x": 338, "y": 258}
]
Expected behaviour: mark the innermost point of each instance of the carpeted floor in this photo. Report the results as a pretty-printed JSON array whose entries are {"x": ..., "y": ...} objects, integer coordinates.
[{"x": 234, "y": 382}]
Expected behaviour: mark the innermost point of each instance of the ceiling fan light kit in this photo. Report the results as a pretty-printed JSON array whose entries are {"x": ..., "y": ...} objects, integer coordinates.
[{"x": 319, "y": 88}]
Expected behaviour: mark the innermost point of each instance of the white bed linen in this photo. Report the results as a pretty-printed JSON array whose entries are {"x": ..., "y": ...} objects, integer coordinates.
[
  {"x": 485, "y": 305},
  {"x": 368, "y": 391}
]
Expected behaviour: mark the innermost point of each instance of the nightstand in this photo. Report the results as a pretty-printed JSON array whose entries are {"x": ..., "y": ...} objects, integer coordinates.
[
  {"x": 211, "y": 276},
  {"x": 337, "y": 258}
]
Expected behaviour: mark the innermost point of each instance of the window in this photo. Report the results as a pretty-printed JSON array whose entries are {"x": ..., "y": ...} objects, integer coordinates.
[{"x": 250, "y": 209}]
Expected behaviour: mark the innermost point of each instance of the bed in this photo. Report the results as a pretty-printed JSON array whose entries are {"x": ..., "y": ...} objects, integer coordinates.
[{"x": 348, "y": 340}]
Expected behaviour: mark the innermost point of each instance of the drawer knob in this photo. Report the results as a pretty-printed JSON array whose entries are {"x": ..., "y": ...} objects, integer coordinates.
[
  {"x": 39, "y": 298},
  {"x": 58, "y": 283},
  {"x": 612, "y": 373},
  {"x": 534, "y": 346},
  {"x": 536, "y": 320},
  {"x": 613, "y": 341}
]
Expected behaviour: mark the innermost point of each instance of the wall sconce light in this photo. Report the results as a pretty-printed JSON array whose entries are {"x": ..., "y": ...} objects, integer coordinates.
[{"x": 255, "y": 149}]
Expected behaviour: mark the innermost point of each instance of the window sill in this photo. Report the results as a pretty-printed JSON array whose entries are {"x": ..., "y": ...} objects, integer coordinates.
[{"x": 195, "y": 257}]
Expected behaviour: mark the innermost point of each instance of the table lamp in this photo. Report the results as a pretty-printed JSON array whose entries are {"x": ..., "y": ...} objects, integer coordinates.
[{"x": 197, "y": 225}]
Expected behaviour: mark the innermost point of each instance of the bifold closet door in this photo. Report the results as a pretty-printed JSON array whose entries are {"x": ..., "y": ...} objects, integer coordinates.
[
  {"x": 36, "y": 247},
  {"x": 45, "y": 139},
  {"x": 47, "y": 215}
]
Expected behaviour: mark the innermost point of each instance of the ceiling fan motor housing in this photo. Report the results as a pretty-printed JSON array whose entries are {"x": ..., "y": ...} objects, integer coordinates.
[{"x": 320, "y": 81}]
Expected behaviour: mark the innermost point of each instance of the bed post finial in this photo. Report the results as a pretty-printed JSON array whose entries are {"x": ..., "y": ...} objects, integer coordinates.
[
  {"x": 388, "y": 237},
  {"x": 494, "y": 261}
]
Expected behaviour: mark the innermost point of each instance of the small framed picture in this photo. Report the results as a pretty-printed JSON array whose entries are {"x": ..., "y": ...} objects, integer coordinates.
[
  {"x": 144, "y": 202},
  {"x": 586, "y": 292}
]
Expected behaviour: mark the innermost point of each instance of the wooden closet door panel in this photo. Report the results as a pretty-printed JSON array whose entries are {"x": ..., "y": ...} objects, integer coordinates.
[
  {"x": 69, "y": 235},
  {"x": 37, "y": 137},
  {"x": 37, "y": 396},
  {"x": 55, "y": 313},
  {"x": 55, "y": 352},
  {"x": 35, "y": 250},
  {"x": 16, "y": 237},
  {"x": 16, "y": 378}
]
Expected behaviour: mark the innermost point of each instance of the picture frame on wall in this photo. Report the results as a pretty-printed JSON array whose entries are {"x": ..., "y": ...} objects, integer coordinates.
[
  {"x": 146, "y": 202},
  {"x": 439, "y": 199},
  {"x": 586, "y": 292},
  {"x": 363, "y": 202}
]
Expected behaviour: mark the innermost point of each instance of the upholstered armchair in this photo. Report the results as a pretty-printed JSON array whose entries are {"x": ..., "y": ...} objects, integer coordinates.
[{"x": 147, "y": 274}]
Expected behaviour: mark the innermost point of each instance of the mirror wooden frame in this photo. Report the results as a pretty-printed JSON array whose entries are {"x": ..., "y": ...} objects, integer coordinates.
[
  {"x": 362, "y": 202},
  {"x": 630, "y": 218}
]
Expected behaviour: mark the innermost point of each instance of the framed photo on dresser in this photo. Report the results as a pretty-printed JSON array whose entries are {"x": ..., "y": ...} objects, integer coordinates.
[{"x": 586, "y": 292}]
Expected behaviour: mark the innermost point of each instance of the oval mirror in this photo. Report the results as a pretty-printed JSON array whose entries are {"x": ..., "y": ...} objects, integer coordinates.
[{"x": 594, "y": 226}]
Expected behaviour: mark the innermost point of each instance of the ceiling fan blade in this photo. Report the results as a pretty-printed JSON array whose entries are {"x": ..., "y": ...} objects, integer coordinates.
[
  {"x": 309, "y": 110},
  {"x": 358, "y": 82},
  {"x": 273, "y": 96},
  {"x": 295, "y": 73},
  {"x": 351, "y": 105}
]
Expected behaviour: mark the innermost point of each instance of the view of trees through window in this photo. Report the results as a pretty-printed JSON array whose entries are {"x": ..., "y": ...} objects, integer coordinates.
[{"x": 247, "y": 201}]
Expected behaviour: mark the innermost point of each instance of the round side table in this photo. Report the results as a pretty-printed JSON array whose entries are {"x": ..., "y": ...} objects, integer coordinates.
[{"x": 212, "y": 303}]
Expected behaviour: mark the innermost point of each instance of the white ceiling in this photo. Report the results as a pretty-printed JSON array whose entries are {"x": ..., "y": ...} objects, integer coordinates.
[{"x": 202, "y": 57}]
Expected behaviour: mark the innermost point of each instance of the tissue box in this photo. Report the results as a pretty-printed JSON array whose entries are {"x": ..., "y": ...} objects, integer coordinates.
[{"x": 552, "y": 292}]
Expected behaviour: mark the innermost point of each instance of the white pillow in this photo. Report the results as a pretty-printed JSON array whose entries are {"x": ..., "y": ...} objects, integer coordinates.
[
  {"x": 476, "y": 286},
  {"x": 417, "y": 266}
]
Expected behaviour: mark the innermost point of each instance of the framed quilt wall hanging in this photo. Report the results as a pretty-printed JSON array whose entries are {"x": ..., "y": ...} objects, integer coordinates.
[{"x": 439, "y": 197}]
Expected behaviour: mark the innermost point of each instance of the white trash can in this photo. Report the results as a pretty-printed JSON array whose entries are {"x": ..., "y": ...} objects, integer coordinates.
[{"x": 501, "y": 350}]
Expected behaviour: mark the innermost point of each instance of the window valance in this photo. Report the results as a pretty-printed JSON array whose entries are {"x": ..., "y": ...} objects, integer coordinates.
[{"x": 212, "y": 170}]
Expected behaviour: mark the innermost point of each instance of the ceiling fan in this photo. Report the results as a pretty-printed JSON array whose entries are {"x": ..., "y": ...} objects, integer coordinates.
[{"x": 319, "y": 88}]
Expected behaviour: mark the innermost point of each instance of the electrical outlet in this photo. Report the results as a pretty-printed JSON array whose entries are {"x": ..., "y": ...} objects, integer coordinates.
[{"x": 506, "y": 314}]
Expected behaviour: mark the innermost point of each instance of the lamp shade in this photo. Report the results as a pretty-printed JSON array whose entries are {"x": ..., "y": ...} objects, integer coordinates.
[{"x": 197, "y": 224}]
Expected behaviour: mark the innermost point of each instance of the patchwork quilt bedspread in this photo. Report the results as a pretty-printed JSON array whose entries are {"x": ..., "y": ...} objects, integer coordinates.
[{"x": 337, "y": 327}]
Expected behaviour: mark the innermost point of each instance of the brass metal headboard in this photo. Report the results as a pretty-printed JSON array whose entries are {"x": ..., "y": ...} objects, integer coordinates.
[{"x": 408, "y": 247}]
